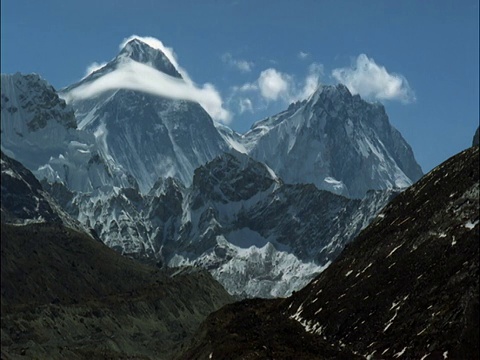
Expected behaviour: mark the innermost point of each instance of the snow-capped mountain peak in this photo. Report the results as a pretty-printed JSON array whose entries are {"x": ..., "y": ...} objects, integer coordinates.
[
  {"x": 148, "y": 134},
  {"x": 333, "y": 90},
  {"x": 335, "y": 140},
  {"x": 143, "y": 53}
]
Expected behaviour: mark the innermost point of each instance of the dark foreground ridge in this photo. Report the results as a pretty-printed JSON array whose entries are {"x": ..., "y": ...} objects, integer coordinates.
[
  {"x": 407, "y": 287},
  {"x": 65, "y": 295}
]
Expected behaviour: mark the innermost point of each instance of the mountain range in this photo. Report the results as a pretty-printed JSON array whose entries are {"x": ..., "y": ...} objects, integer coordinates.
[
  {"x": 126, "y": 215},
  {"x": 148, "y": 137},
  {"x": 157, "y": 179},
  {"x": 65, "y": 294},
  {"x": 336, "y": 141},
  {"x": 406, "y": 287},
  {"x": 257, "y": 235}
]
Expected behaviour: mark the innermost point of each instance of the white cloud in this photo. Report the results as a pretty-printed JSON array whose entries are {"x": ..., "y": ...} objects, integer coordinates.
[
  {"x": 315, "y": 72},
  {"x": 242, "y": 65},
  {"x": 140, "y": 77},
  {"x": 273, "y": 84},
  {"x": 93, "y": 67},
  {"x": 246, "y": 87},
  {"x": 303, "y": 55},
  {"x": 373, "y": 81},
  {"x": 245, "y": 105}
]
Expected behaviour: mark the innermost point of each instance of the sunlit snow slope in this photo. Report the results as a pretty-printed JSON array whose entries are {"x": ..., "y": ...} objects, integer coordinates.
[{"x": 148, "y": 135}]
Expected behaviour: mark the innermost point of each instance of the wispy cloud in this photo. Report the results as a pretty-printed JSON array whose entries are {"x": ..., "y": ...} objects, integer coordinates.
[
  {"x": 310, "y": 84},
  {"x": 94, "y": 67},
  {"x": 373, "y": 81},
  {"x": 133, "y": 75},
  {"x": 245, "y": 104},
  {"x": 245, "y": 87},
  {"x": 140, "y": 77},
  {"x": 302, "y": 55},
  {"x": 239, "y": 64}
]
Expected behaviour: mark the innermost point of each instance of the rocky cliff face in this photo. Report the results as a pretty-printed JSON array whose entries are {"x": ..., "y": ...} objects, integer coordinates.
[
  {"x": 24, "y": 201},
  {"x": 22, "y": 196},
  {"x": 336, "y": 141},
  {"x": 476, "y": 139},
  {"x": 256, "y": 235},
  {"x": 35, "y": 121},
  {"x": 407, "y": 286},
  {"x": 39, "y": 130}
]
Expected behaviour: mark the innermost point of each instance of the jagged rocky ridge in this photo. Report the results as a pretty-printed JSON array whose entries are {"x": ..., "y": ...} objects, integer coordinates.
[
  {"x": 257, "y": 235},
  {"x": 336, "y": 141},
  {"x": 66, "y": 295},
  {"x": 39, "y": 129},
  {"x": 24, "y": 201},
  {"x": 23, "y": 198},
  {"x": 406, "y": 287}
]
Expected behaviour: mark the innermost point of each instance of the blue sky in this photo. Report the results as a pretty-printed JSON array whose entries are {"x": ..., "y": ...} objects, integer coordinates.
[{"x": 419, "y": 58}]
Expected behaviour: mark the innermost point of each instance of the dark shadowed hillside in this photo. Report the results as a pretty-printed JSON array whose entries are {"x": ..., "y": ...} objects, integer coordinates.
[
  {"x": 66, "y": 295},
  {"x": 407, "y": 287}
]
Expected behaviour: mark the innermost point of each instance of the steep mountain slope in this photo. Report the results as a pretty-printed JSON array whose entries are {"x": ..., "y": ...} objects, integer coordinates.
[
  {"x": 256, "y": 235},
  {"x": 406, "y": 287},
  {"x": 34, "y": 120},
  {"x": 66, "y": 295},
  {"x": 149, "y": 136},
  {"x": 39, "y": 130},
  {"x": 23, "y": 200},
  {"x": 336, "y": 141},
  {"x": 476, "y": 140}
]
